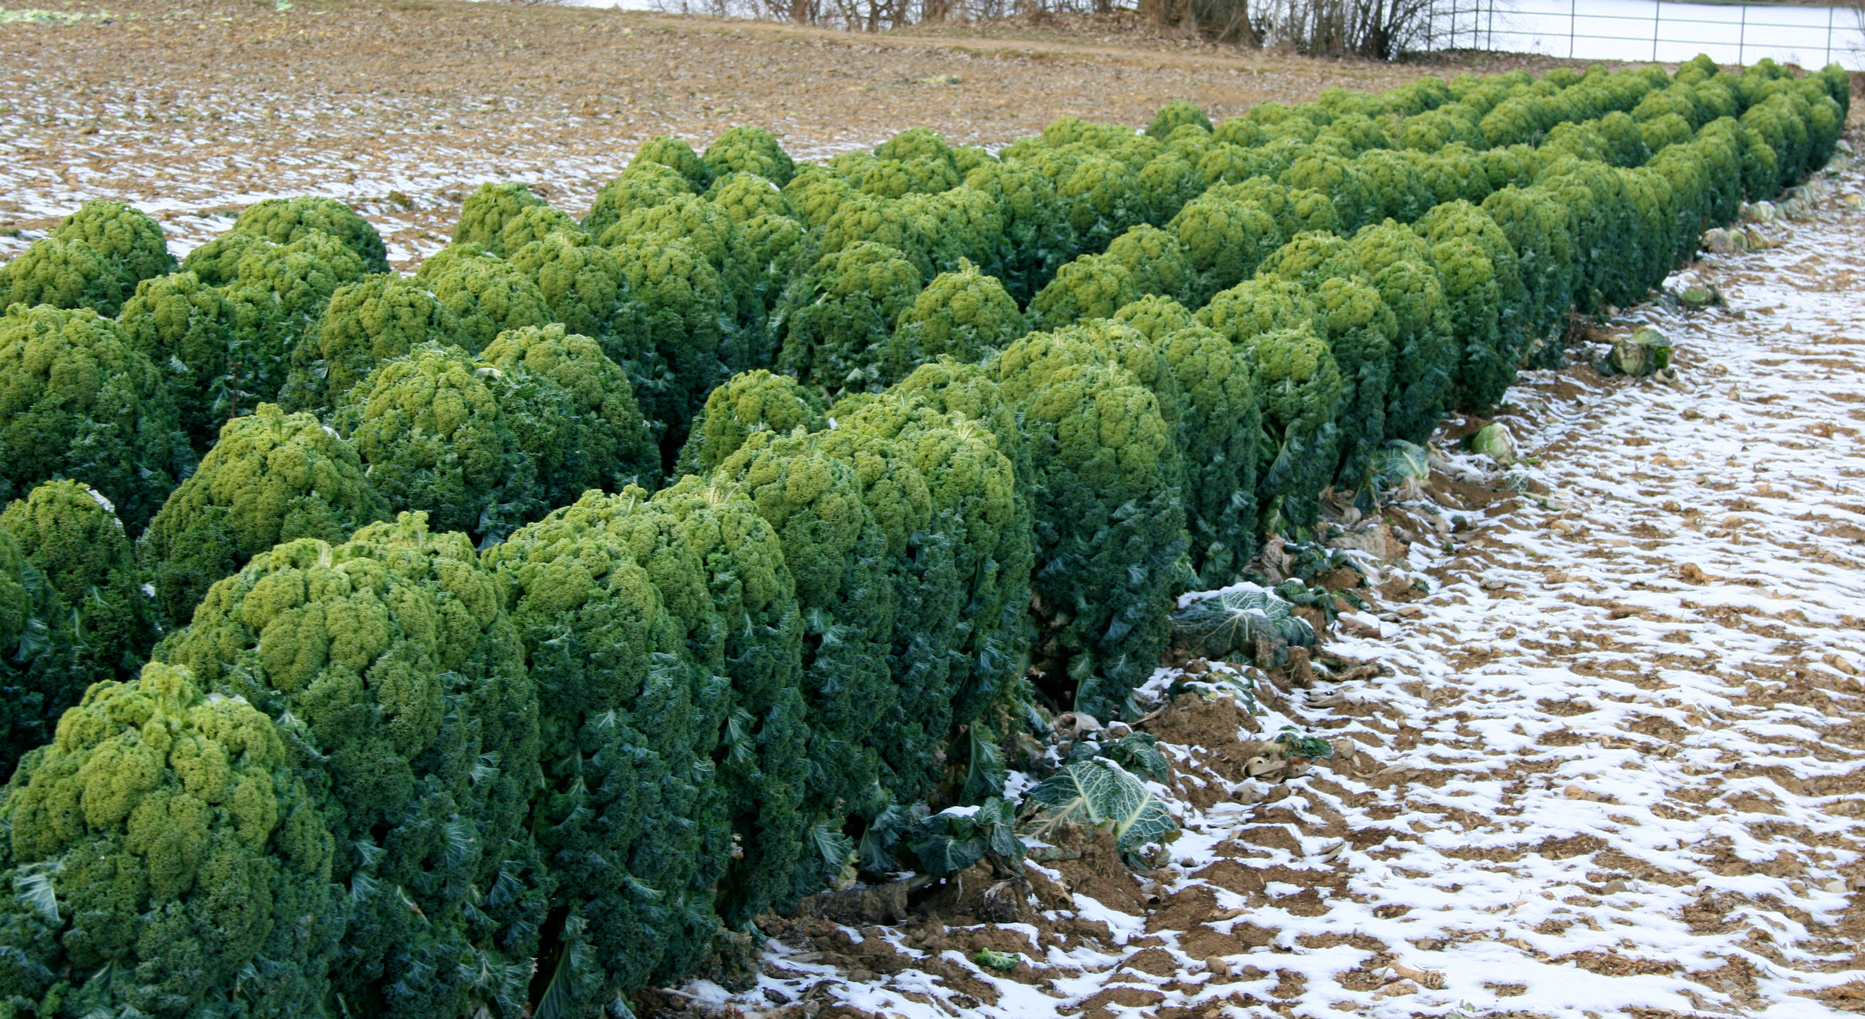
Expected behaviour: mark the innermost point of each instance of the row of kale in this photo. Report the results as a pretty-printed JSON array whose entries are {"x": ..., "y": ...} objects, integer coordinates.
[{"x": 645, "y": 715}]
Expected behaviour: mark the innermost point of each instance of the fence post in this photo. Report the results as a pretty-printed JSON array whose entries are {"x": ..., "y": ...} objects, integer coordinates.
[
  {"x": 1657, "y": 11},
  {"x": 1573, "y": 25},
  {"x": 1741, "y": 39},
  {"x": 1829, "y": 33}
]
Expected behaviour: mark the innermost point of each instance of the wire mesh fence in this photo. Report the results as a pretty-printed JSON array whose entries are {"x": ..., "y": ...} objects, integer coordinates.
[
  {"x": 1662, "y": 30},
  {"x": 1733, "y": 33}
]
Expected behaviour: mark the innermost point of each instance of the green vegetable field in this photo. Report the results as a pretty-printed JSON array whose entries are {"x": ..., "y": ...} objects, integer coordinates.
[{"x": 503, "y": 639}]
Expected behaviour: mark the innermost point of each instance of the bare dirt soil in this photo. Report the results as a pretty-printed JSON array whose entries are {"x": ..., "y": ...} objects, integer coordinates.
[{"x": 193, "y": 110}]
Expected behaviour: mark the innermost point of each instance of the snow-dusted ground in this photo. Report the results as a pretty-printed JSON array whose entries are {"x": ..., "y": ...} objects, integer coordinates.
[
  {"x": 193, "y": 112},
  {"x": 407, "y": 179},
  {"x": 1617, "y": 763}
]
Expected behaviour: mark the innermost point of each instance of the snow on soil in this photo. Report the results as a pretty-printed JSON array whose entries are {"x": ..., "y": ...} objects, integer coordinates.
[
  {"x": 192, "y": 112},
  {"x": 1615, "y": 765},
  {"x": 405, "y": 183}
]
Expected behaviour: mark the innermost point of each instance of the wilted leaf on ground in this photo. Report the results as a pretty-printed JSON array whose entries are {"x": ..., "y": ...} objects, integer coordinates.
[
  {"x": 1235, "y": 620},
  {"x": 1102, "y": 794}
]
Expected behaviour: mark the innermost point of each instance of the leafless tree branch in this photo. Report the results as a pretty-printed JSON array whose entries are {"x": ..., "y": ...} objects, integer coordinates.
[{"x": 1376, "y": 29}]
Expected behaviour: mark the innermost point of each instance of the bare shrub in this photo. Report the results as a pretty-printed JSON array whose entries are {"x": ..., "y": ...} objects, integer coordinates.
[{"x": 1374, "y": 29}]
